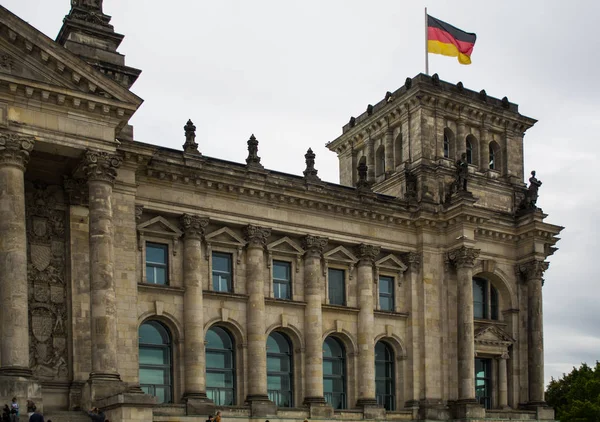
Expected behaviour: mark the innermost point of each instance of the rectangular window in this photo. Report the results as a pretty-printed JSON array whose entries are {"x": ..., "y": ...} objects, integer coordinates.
[
  {"x": 337, "y": 289},
  {"x": 282, "y": 280},
  {"x": 386, "y": 293},
  {"x": 479, "y": 298},
  {"x": 222, "y": 271},
  {"x": 483, "y": 382},
  {"x": 157, "y": 263}
]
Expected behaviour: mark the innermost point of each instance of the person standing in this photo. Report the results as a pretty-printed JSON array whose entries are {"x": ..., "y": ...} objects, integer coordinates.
[
  {"x": 218, "y": 417},
  {"x": 97, "y": 415},
  {"x": 14, "y": 410},
  {"x": 36, "y": 416}
]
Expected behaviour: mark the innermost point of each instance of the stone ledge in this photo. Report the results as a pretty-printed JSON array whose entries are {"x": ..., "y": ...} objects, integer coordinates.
[{"x": 161, "y": 287}]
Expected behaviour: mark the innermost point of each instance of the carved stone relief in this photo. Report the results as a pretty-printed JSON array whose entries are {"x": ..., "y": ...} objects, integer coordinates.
[{"x": 48, "y": 336}]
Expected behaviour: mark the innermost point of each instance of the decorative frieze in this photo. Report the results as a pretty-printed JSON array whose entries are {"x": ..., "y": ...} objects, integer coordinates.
[
  {"x": 15, "y": 149},
  {"x": 256, "y": 236},
  {"x": 193, "y": 225},
  {"x": 101, "y": 166},
  {"x": 463, "y": 257}
]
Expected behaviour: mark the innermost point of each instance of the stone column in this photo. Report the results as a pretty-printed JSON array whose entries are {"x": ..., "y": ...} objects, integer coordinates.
[
  {"x": 484, "y": 150},
  {"x": 461, "y": 139},
  {"x": 366, "y": 346},
  {"x": 14, "y": 318},
  {"x": 193, "y": 316},
  {"x": 415, "y": 331},
  {"x": 101, "y": 171},
  {"x": 255, "y": 319},
  {"x": 370, "y": 144},
  {"x": 463, "y": 259},
  {"x": 502, "y": 381},
  {"x": 313, "y": 327},
  {"x": 389, "y": 150},
  {"x": 533, "y": 272}
]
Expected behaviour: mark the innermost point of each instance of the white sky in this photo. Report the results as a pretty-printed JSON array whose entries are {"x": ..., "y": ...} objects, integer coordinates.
[{"x": 293, "y": 73}]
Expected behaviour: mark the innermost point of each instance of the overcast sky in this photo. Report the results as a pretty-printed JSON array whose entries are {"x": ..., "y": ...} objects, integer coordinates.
[{"x": 293, "y": 73}]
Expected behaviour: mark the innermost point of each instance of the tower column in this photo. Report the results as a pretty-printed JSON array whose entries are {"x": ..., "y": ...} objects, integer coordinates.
[
  {"x": 464, "y": 259},
  {"x": 533, "y": 272},
  {"x": 255, "y": 316},
  {"x": 313, "y": 326},
  {"x": 502, "y": 381},
  {"x": 366, "y": 344},
  {"x": 193, "y": 316},
  {"x": 370, "y": 159},
  {"x": 14, "y": 318},
  {"x": 389, "y": 150},
  {"x": 461, "y": 139},
  {"x": 415, "y": 331},
  {"x": 101, "y": 171}
]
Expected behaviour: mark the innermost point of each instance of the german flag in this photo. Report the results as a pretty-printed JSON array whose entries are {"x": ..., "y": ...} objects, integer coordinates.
[{"x": 445, "y": 39}]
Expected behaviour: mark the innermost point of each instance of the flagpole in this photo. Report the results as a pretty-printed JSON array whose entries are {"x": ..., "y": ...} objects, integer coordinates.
[{"x": 426, "y": 53}]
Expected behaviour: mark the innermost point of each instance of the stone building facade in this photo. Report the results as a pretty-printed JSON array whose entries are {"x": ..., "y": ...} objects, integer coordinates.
[{"x": 163, "y": 284}]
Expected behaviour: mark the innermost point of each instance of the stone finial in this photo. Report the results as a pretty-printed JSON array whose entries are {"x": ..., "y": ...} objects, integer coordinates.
[
  {"x": 101, "y": 166},
  {"x": 253, "y": 159},
  {"x": 505, "y": 102},
  {"x": 310, "y": 173},
  {"x": 190, "y": 145},
  {"x": 483, "y": 95},
  {"x": 363, "y": 184},
  {"x": 367, "y": 253},
  {"x": 460, "y": 86},
  {"x": 95, "y": 5},
  {"x": 193, "y": 225},
  {"x": 89, "y": 11},
  {"x": 15, "y": 149},
  {"x": 314, "y": 244},
  {"x": 352, "y": 121},
  {"x": 435, "y": 79},
  {"x": 369, "y": 109},
  {"x": 411, "y": 185},
  {"x": 256, "y": 236},
  {"x": 388, "y": 97},
  {"x": 463, "y": 257},
  {"x": 408, "y": 83}
]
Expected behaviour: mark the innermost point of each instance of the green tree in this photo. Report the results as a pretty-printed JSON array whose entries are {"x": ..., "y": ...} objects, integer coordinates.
[{"x": 576, "y": 396}]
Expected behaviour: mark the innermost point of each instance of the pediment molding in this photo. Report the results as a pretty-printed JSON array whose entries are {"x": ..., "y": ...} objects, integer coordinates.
[
  {"x": 285, "y": 246},
  {"x": 493, "y": 335},
  {"x": 340, "y": 255},
  {"x": 227, "y": 238},
  {"x": 392, "y": 263},
  {"x": 158, "y": 227}
]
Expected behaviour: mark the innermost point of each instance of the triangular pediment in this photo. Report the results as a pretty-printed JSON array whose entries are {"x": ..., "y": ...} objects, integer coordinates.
[
  {"x": 391, "y": 262},
  {"x": 225, "y": 236},
  {"x": 33, "y": 63},
  {"x": 492, "y": 335},
  {"x": 285, "y": 245},
  {"x": 159, "y": 226},
  {"x": 340, "y": 254}
]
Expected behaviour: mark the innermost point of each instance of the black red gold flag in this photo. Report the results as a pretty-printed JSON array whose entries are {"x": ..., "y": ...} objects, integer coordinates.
[{"x": 445, "y": 39}]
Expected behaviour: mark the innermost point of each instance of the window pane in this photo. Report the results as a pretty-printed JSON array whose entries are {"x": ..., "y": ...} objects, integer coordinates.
[
  {"x": 156, "y": 253},
  {"x": 282, "y": 291},
  {"x": 336, "y": 280},
  {"x": 161, "y": 276},
  {"x": 494, "y": 302},
  {"x": 221, "y": 262},
  {"x": 150, "y": 274},
  {"x": 385, "y": 284},
  {"x": 479, "y": 298},
  {"x": 281, "y": 270},
  {"x": 153, "y": 356},
  {"x": 386, "y": 303},
  {"x": 153, "y": 376}
]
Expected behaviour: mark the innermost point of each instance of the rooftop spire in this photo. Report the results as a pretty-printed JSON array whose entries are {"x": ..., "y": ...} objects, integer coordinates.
[
  {"x": 310, "y": 173},
  {"x": 190, "y": 145},
  {"x": 253, "y": 159}
]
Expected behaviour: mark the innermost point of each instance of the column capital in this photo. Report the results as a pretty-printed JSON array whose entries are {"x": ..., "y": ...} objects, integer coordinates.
[
  {"x": 100, "y": 166},
  {"x": 15, "y": 149},
  {"x": 256, "y": 236},
  {"x": 314, "y": 245},
  {"x": 193, "y": 226},
  {"x": 532, "y": 270},
  {"x": 503, "y": 356},
  {"x": 463, "y": 257},
  {"x": 367, "y": 253},
  {"x": 413, "y": 259}
]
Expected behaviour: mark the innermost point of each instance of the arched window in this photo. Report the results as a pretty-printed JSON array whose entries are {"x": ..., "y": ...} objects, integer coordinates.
[
  {"x": 494, "y": 156},
  {"x": 220, "y": 367},
  {"x": 380, "y": 161},
  {"x": 448, "y": 143},
  {"x": 334, "y": 373},
  {"x": 398, "y": 150},
  {"x": 485, "y": 299},
  {"x": 155, "y": 361},
  {"x": 384, "y": 376},
  {"x": 279, "y": 370}
]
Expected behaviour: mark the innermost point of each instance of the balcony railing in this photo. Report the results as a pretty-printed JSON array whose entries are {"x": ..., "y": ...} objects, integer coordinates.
[
  {"x": 336, "y": 400},
  {"x": 220, "y": 396}
]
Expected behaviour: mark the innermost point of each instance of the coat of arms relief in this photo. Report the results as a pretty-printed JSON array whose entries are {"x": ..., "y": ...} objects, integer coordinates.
[{"x": 45, "y": 209}]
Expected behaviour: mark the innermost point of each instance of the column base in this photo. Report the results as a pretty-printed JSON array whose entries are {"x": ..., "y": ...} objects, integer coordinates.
[
  {"x": 318, "y": 408},
  {"x": 542, "y": 410},
  {"x": 101, "y": 386},
  {"x": 466, "y": 409},
  {"x": 16, "y": 371},
  {"x": 128, "y": 406},
  {"x": 260, "y": 405},
  {"x": 433, "y": 409},
  {"x": 24, "y": 388},
  {"x": 198, "y": 404},
  {"x": 371, "y": 409}
]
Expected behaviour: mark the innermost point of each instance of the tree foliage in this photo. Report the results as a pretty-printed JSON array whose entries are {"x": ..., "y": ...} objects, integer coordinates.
[{"x": 576, "y": 396}]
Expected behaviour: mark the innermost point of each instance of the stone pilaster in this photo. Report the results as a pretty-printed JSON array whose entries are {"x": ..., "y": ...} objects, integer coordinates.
[
  {"x": 370, "y": 159},
  {"x": 389, "y": 150},
  {"x": 532, "y": 273},
  {"x": 503, "y": 381},
  {"x": 193, "y": 316},
  {"x": 413, "y": 261},
  {"x": 100, "y": 169},
  {"x": 14, "y": 319},
  {"x": 463, "y": 259},
  {"x": 255, "y": 316},
  {"x": 313, "y": 326},
  {"x": 366, "y": 325},
  {"x": 461, "y": 139}
]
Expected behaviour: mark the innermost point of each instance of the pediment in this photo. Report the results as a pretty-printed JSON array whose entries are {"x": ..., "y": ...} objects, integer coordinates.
[
  {"x": 391, "y": 262},
  {"x": 34, "y": 63},
  {"x": 285, "y": 245},
  {"x": 340, "y": 254},
  {"x": 225, "y": 236},
  {"x": 493, "y": 335},
  {"x": 159, "y": 226}
]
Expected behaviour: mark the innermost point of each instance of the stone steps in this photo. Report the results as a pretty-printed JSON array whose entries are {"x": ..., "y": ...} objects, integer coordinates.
[{"x": 66, "y": 416}]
